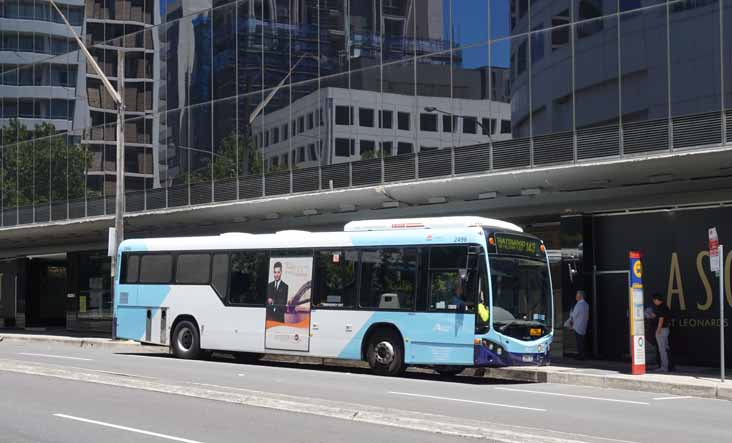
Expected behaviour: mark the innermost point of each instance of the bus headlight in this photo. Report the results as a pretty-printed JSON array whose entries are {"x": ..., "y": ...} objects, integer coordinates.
[{"x": 493, "y": 347}]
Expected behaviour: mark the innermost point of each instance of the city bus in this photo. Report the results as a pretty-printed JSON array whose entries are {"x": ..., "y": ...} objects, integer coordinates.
[{"x": 445, "y": 293}]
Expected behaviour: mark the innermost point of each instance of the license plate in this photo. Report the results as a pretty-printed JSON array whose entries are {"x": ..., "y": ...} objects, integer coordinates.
[
  {"x": 535, "y": 332},
  {"x": 527, "y": 358}
]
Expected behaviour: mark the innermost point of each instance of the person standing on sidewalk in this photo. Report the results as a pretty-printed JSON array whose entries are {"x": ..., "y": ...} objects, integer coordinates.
[
  {"x": 578, "y": 319},
  {"x": 663, "y": 329}
]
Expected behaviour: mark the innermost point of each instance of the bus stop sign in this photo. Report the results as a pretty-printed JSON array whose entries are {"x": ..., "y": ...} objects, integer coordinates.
[
  {"x": 637, "y": 320},
  {"x": 714, "y": 250}
]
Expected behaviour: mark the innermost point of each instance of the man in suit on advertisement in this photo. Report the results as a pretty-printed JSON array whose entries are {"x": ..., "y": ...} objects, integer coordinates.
[{"x": 277, "y": 292}]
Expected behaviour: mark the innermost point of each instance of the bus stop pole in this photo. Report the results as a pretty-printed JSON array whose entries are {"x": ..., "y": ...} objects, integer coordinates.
[{"x": 721, "y": 312}]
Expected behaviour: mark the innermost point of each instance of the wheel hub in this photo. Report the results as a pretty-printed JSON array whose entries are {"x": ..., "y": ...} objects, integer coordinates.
[
  {"x": 384, "y": 352},
  {"x": 185, "y": 340}
]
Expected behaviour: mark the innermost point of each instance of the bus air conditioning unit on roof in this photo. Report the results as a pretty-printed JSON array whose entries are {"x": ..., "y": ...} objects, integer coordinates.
[{"x": 428, "y": 223}]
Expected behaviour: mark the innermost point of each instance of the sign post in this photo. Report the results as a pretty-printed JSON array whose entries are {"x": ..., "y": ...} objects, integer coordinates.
[
  {"x": 721, "y": 313},
  {"x": 716, "y": 262},
  {"x": 637, "y": 319}
]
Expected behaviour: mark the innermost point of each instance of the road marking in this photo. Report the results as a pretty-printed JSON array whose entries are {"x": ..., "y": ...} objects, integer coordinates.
[
  {"x": 240, "y": 375},
  {"x": 461, "y": 400},
  {"x": 125, "y": 428},
  {"x": 210, "y": 385},
  {"x": 673, "y": 398},
  {"x": 557, "y": 394},
  {"x": 55, "y": 356},
  {"x": 375, "y": 415},
  {"x": 125, "y": 374}
]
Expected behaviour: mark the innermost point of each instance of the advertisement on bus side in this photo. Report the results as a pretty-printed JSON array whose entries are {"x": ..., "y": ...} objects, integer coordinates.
[{"x": 288, "y": 303}]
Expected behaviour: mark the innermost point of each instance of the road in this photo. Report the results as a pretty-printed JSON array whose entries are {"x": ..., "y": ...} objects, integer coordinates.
[{"x": 80, "y": 383}]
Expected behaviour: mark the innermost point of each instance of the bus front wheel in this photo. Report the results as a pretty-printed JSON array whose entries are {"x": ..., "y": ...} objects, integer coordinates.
[
  {"x": 385, "y": 353},
  {"x": 186, "y": 341}
]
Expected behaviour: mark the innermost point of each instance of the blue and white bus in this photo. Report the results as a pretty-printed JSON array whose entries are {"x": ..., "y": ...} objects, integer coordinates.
[{"x": 446, "y": 293}]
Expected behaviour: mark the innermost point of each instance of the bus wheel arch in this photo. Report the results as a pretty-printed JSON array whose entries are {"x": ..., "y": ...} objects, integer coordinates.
[
  {"x": 383, "y": 348},
  {"x": 185, "y": 337}
]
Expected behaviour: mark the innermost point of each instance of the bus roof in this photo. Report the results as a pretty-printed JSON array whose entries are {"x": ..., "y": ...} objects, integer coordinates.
[
  {"x": 354, "y": 234},
  {"x": 428, "y": 223}
]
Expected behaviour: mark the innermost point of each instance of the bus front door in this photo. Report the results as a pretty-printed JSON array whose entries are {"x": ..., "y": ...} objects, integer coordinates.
[{"x": 288, "y": 304}]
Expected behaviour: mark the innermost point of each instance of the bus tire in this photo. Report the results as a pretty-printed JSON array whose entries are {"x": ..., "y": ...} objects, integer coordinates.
[
  {"x": 449, "y": 371},
  {"x": 385, "y": 353},
  {"x": 186, "y": 340}
]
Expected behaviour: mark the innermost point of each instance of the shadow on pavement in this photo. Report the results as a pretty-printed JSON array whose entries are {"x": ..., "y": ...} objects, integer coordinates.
[{"x": 416, "y": 373}]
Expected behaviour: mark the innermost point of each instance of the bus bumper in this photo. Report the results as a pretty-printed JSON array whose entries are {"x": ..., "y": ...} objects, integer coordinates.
[{"x": 498, "y": 357}]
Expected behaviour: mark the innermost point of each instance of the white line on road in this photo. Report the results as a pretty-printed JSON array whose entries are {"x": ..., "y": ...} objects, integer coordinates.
[
  {"x": 673, "y": 398},
  {"x": 125, "y": 428},
  {"x": 557, "y": 394},
  {"x": 461, "y": 400},
  {"x": 209, "y": 385},
  {"x": 101, "y": 371},
  {"x": 55, "y": 356}
]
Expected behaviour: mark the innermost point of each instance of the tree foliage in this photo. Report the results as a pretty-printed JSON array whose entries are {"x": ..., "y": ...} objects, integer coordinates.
[
  {"x": 39, "y": 165},
  {"x": 235, "y": 156}
]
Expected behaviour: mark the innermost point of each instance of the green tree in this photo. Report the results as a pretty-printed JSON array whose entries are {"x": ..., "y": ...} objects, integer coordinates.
[
  {"x": 235, "y": 156},
  {"x": 40, "y": 165},
  {"x": 374, "y": 153}
]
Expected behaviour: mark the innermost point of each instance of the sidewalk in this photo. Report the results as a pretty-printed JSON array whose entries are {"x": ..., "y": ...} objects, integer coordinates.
[
  {"x": 78, "y": 339},
  {"x": 685, "y": 381}
]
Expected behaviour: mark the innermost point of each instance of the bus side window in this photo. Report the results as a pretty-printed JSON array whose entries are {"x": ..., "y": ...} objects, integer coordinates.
[
  {"x": 156, "y": 268},
  {"x": 388, "y": 278},
  {"x": 447, "y": 287},
  {"x": 248, "y": 278},
  {"x": 130, "y": 268},
  {"x": 193, "y": 269},
  {"x": 423, "y": 286},
  {"x": 220, "y": 275},
  {"x": 335, "y": 278}
]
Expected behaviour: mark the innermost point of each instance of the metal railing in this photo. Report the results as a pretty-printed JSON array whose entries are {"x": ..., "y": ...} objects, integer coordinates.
[{"x": 603, "y": 143}]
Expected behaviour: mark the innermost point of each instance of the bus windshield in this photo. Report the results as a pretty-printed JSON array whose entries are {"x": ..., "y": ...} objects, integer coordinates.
[{"x": 521, "y": 296}]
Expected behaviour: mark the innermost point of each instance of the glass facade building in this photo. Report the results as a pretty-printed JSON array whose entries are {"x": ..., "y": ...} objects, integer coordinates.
[
  {"x": 230, "y": 100},
  {"x": 243, "y": 100}
]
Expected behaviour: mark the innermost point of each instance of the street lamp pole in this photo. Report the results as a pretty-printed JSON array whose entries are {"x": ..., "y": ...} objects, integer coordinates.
[
  {"x": 432, "y": 109},
  {"x": 117, "y": 97},
  {"x": 255, "y": 113}
]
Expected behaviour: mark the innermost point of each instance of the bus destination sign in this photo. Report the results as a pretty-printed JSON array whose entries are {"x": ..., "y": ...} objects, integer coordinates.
[{"x": 518, "y": 245}]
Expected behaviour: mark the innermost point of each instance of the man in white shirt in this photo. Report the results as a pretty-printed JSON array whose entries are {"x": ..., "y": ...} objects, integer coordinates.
[{"x": 578, "y": 318}]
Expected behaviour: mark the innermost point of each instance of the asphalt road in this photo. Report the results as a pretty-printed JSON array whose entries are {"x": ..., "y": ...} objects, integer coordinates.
[
  {"x": 585, "y": 414},
  {"x": 35, "y": 409}
]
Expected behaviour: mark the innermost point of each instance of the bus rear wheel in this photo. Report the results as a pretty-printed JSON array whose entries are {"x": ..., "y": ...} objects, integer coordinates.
[
  {"x": 186, "y": 341},
  {"x": 385, "y": 353}
]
